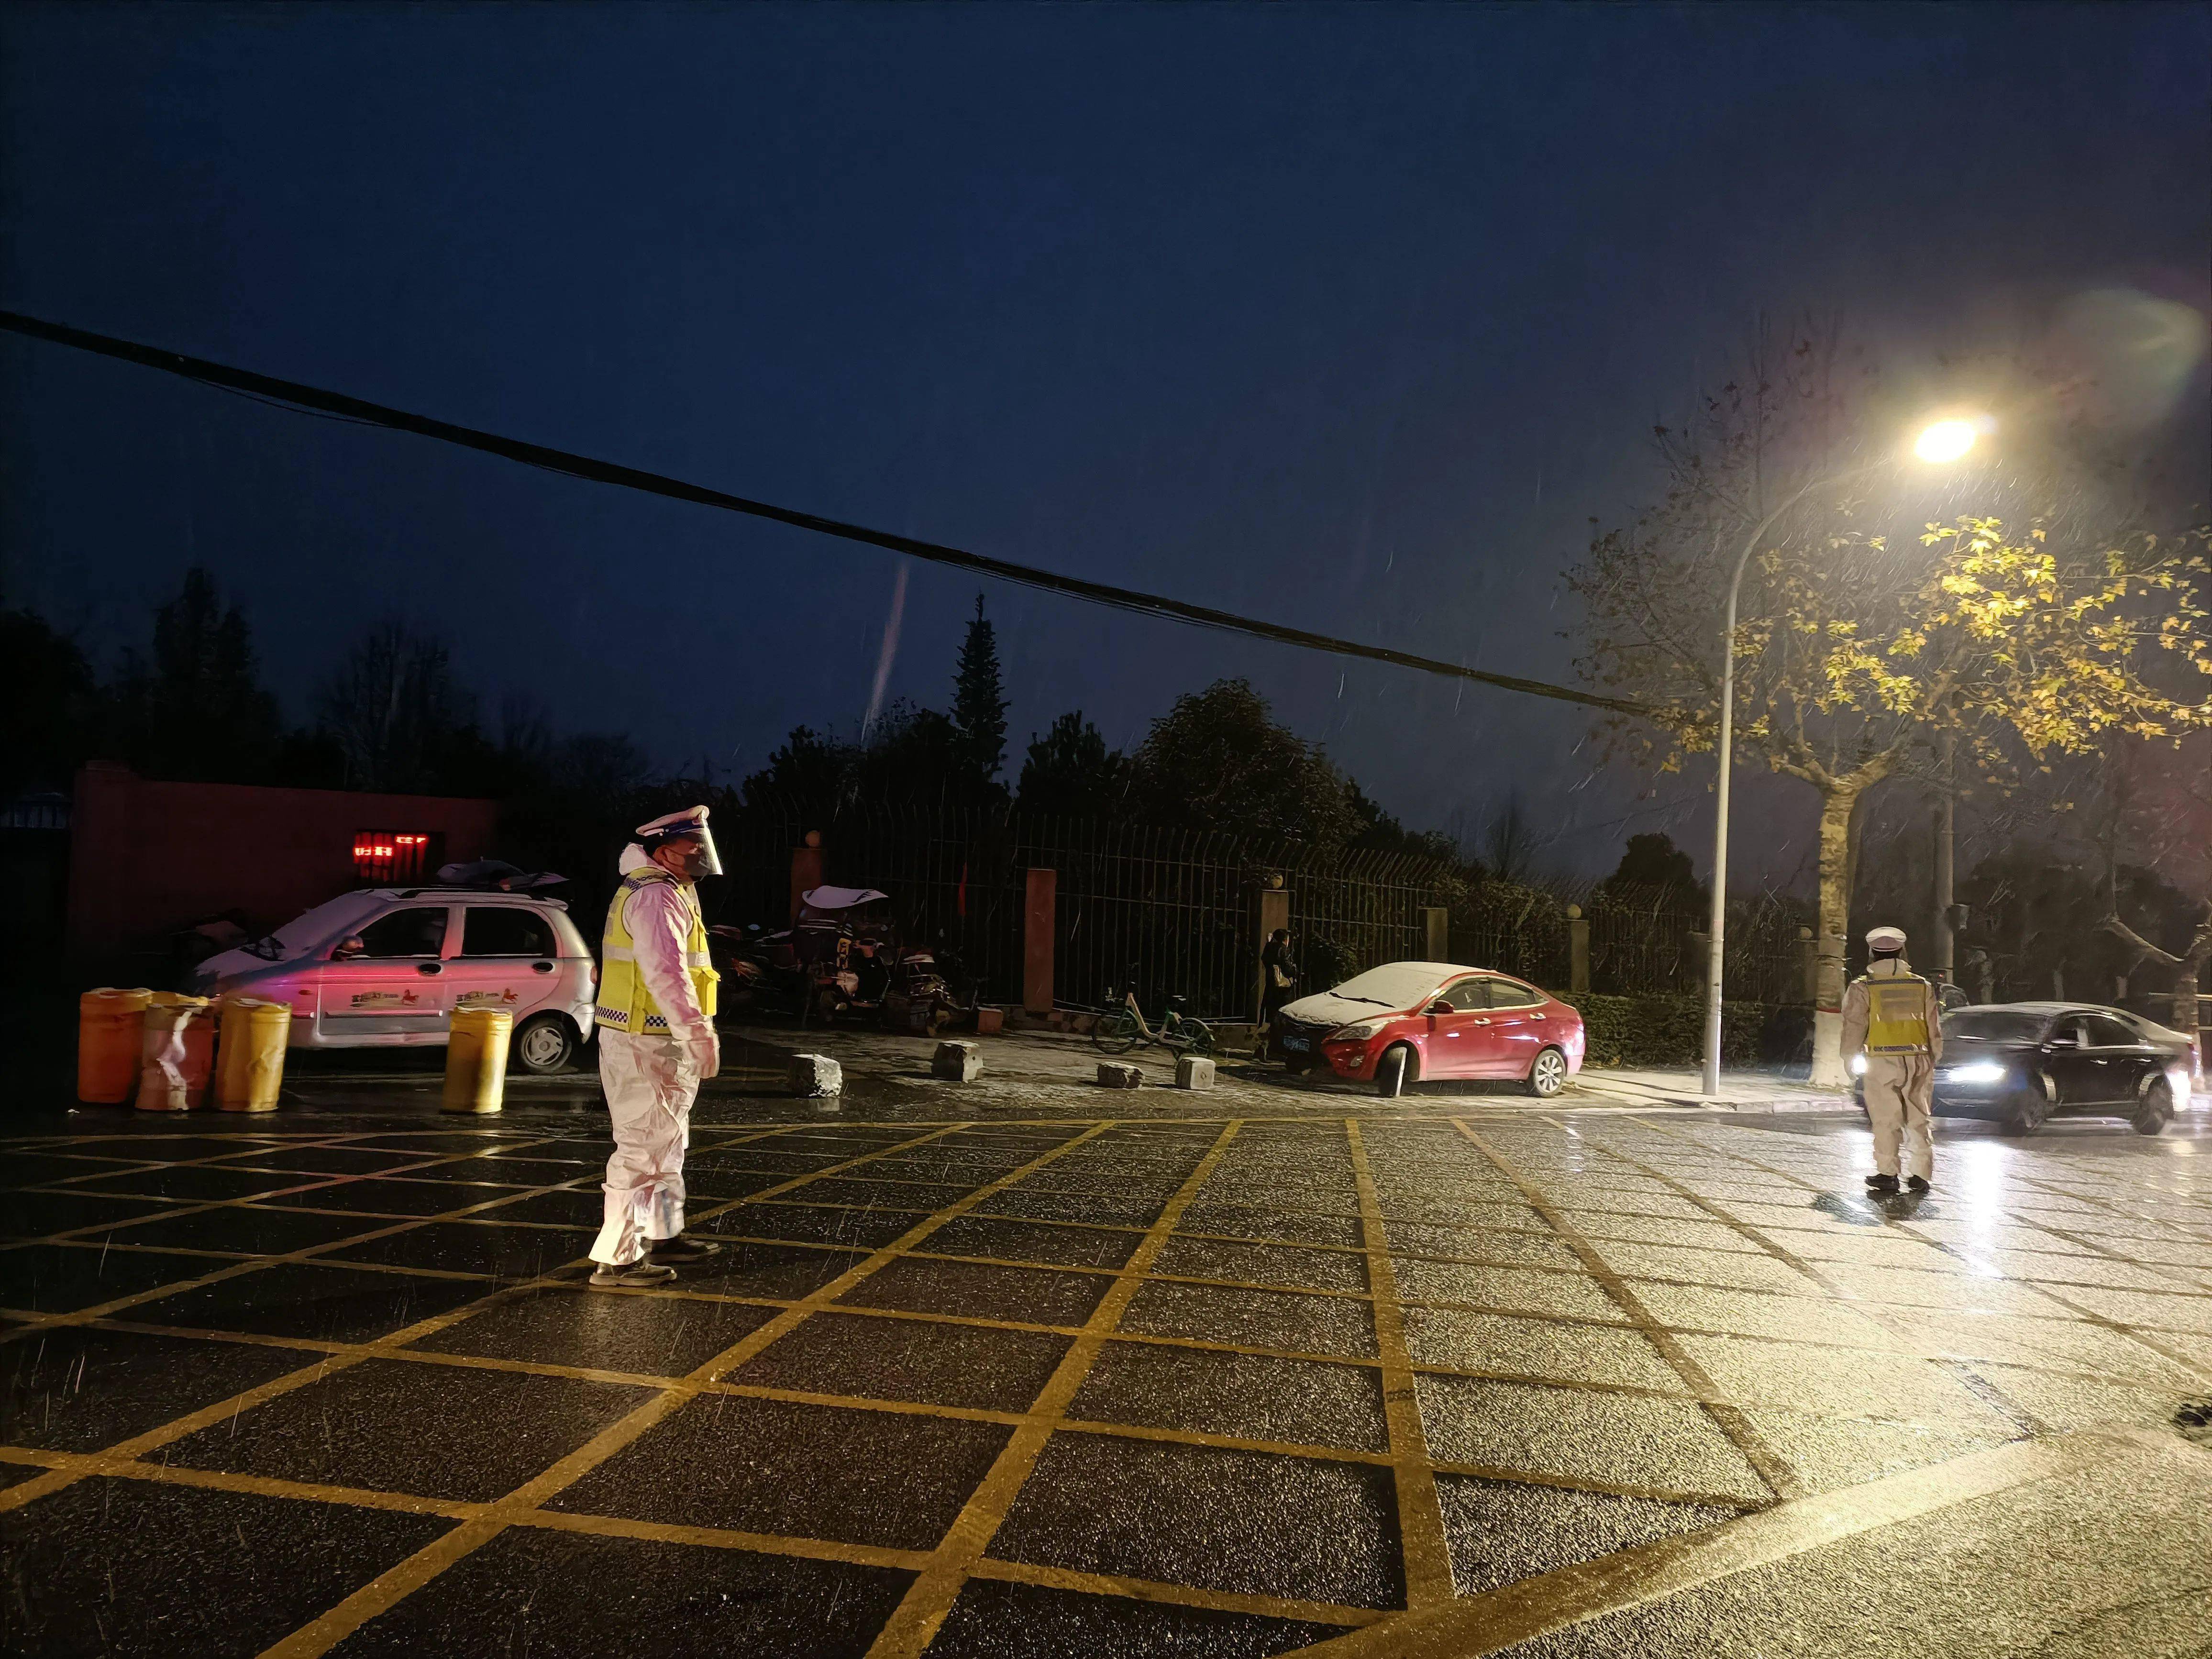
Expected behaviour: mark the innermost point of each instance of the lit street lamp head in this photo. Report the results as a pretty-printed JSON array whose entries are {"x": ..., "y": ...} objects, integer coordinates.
[{"x": 1947, "y": 440}]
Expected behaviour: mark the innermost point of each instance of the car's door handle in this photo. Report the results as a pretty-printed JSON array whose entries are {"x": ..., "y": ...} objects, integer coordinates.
[
  {"x": 1535, "y": 1016},
  {"x": 541, "y": 967},
  {"x": 1482, "y": 1022},
  {"x": 429, "y": 967}
]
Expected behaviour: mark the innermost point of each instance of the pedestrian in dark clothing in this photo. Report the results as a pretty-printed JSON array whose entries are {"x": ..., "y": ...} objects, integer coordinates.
[{"x": 1279, "y": 972}]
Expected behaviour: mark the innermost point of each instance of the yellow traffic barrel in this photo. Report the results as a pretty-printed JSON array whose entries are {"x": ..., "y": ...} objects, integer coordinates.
[
  {"x": 252, "y": 1071},
  {"x": 179, "y": 1045},
  {"x": 475, "y": 1060},
  {"x": 110, "y": 1033}
]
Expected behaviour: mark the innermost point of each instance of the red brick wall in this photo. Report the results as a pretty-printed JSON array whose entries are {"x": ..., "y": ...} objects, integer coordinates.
[{"x": 146, "y": 858}]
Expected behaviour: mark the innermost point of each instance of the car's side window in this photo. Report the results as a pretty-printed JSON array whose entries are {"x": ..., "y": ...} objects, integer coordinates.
[
  {"x": 418, "y": 932},
  {"x": 505, "y": 930},
  {"x": 2103, "y": 1032},
  {"x": 1504, "y": 993},
  {"x": 1466, "y": 996}
]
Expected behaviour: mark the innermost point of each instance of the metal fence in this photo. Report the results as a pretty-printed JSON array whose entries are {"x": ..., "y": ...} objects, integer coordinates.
[{"x": 1175, "y": 912}]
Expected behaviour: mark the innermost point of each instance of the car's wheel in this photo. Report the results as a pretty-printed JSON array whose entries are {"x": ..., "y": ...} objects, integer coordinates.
[
  {"x": 2156, "y": 1110},
  {"x": 544, "y": 1044},
  {"x": 1394, "y": 1071},
  {"x": 2030, "y": 1107},
  {"x": 1547, "y": 1075}
]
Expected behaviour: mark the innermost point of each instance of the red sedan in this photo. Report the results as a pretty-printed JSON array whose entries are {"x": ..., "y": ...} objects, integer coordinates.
[{"x": 1410, "y": 1022}]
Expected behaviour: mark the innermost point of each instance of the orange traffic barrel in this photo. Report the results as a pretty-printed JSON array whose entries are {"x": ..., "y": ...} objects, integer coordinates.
[
  {"x": 110, "y": 1034},
  {"x": 475, "y": 1060}
]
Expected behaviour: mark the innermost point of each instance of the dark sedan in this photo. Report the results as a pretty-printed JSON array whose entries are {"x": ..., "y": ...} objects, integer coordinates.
[{"x": 2023, "y": 1063}]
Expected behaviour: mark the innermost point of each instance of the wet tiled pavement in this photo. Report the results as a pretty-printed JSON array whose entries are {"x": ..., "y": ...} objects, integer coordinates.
[{"x": 1063, "y": 1385}]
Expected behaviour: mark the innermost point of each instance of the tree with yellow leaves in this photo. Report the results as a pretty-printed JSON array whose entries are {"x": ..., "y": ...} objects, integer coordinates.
[{"x": 1971, "y": 652}]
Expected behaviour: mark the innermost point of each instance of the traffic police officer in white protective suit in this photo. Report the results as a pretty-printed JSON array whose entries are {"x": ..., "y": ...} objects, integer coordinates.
[
  {"x": 1893, "y": 1014},
  {"x": 656, "y": 1042}
]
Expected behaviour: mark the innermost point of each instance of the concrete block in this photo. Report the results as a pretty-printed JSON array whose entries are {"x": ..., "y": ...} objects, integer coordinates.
[
  {"x": 990, "y": 1021},
  {"x": 813, "y": 1076},
  {"x": 1083, "y": 1024},
  {"x": 1193, "y": 1072},
  {"x": 1114, "y": 1075},
  {"x": 958, "y": 1062}
]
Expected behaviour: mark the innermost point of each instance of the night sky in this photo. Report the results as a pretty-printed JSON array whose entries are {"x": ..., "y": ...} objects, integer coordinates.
[{"x": 1347, "y": 318}]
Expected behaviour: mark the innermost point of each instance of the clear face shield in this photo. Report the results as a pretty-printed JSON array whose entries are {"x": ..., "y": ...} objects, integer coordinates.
[{"x": 710, "y": 862}]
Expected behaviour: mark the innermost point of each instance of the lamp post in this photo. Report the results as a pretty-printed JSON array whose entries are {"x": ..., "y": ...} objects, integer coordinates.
[{"x": 1944, "y": 440}]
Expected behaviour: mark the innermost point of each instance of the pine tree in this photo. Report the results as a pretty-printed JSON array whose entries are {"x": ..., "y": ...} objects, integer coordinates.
[
  {"x": 979, "y": 700},
  {"x": 198, "y": 710}
]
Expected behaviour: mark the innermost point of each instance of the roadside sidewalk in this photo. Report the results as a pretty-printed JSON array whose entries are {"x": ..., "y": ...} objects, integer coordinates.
[{"x": 1740, "y": 1091}]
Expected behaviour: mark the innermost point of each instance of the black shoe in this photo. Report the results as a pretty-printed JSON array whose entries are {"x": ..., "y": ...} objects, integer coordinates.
[
  {"x": 680, "y": 1249},
  {"x": 633, "y": 1276},
  {"x": 1881, "y": 1186},
  {"x": 1916, "y": 1184}
]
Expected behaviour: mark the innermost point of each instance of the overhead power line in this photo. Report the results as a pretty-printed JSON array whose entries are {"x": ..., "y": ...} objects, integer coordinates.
[{"x": 317, "y": 400}]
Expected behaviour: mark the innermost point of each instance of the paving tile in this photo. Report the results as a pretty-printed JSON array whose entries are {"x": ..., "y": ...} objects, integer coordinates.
[
  {"x": 923, "y": 1197},
  {"x": 326, "y": 1303},
  {"x": 384, "y": 1196},
  {"x": 1829, "y": 1453},
  {"x": 1519, "y": 1289},
  {"x": 467, "y": 1246},
  {"x": 1486, "y": 1244},
  {"x": 1282, "y": 1265},
  {"x": 935, "y": 1363},
  {"x": 190, "y": 1182},
  {"x": 325, "y": 1160},
  {"x": 1500, "y": 1532},
  {"x": 70, "y": 1389},
  {"x": 246, "y": 1230},
  {"x": 1035, "y": 1295},
  {"x": 1252, "y": 1522},
  {"x": 1959, "y": 1291},
  {"x": 889, "y": 1478},
  {"x": 532, "y": 1590},
  {"x": 2059, "y": 1271},
  {"x": 568, "y": 1207},
  {"x": 67, "y": 1278},
  {"x": 1034, "y": 1241},
  {"x": 868, "y": 1229},
  {"x": 1245, "y": 1396},
  {"x": 993, "y": 1619},
  {"x": 393, "y": 1425},
  {"x": 2067, "y": 1403},
  {"x": 19, "y": 1168},
  {"x": 34, "y": 1215},
  {"x": 650, "y": 1335},
  {"x": 1041, "y": 1206},
  {"x": 1444, "y": 1211},
  {"x": 1609, "y": 1439},
  {"x": 107, "y": 1566},
  {"x": 1866, "y": 1247},
  {"x": 1708, "y": 1235},
  {"x": 1238, "y": 1220},
  {"x": 1746, "y": 1313},
  {"x": 1536, "y": 1348},
  {"x": 1728, "y": 1269},
  {"x": 1256, "y": 1319},
  {"x": 2169, "y": 1313},
  {"x": 1844, "y": 1381},
  {"x": 782, "y": 1272}
]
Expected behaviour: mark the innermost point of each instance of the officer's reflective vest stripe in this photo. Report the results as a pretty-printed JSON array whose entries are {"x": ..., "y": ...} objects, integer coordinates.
[
  {"x": 624, "y": 1003},
  {"x": 1896, "y": 1014}
]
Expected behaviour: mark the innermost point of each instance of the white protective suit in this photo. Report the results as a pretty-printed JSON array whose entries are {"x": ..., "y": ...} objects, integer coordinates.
[
  {"x": 651, "y": 1080},
  {"x": 1900, "y": 1089}
]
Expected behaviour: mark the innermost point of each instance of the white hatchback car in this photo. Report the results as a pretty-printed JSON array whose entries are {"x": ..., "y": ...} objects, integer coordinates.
[{"x": 387, "y": 967}]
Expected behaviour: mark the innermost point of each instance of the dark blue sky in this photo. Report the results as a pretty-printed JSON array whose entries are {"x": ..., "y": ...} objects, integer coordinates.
[{"x": 1349, "y": 318}]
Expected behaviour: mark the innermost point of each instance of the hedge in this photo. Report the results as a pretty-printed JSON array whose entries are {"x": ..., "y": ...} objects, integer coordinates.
[{"x": 1671, "y": 1030}]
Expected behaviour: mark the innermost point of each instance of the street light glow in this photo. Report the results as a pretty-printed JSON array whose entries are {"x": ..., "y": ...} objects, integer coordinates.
[{"x": 1946, "y": 440}]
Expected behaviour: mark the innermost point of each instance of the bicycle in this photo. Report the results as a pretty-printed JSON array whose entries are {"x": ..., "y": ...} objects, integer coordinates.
[{"x": 1124, "y": 1027}]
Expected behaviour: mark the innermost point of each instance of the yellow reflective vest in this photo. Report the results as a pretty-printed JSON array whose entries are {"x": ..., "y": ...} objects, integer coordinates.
[
  {"x": 1898, "y": 1009},
  {"x": 624, "y": 1003}
]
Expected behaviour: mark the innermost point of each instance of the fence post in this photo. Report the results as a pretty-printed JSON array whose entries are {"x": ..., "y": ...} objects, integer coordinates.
[
  {"x": 806, "y": 870},
  {"x": 1038, "y": 920},
  {"x": 1436, "y": 926},
  {"x": 1808, "y": 964},
  {"x": 1577, "y": 951},
  {"x": 1275, "y": 912}
]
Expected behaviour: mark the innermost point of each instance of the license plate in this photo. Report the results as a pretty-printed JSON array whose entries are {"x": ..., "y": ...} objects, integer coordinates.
[{"x": 1298, "y": 1043}]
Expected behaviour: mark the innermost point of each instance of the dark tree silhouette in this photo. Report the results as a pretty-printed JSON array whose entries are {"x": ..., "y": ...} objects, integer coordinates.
[
  {"x": 979, "y": 700},
  {"x": 1070, "y": 771}
]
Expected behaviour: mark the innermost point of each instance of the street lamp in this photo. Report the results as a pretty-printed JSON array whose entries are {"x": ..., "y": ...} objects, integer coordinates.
[{"x": 1941, "y": 442}]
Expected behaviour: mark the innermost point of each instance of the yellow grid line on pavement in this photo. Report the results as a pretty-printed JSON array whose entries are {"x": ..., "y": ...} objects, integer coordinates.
[{"x": 915, "y": 1622}]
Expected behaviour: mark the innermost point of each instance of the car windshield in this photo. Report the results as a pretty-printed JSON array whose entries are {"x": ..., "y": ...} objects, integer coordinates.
[
  {"x": 305, "y": 931},
  {"x": 1394, "y": 985},
  {"x": 1994, "y": 1025}
]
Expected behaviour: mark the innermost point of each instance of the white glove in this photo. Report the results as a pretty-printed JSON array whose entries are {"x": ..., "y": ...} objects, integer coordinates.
[{"x": 705, "y": 1047}]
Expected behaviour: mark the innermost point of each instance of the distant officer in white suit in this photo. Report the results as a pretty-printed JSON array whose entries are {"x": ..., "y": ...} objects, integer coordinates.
[{"x": 1893, "y": 1014}]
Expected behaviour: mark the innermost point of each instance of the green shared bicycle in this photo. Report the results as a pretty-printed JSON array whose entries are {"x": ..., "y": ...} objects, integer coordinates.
[{"x": 1124, "y": 1027}]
